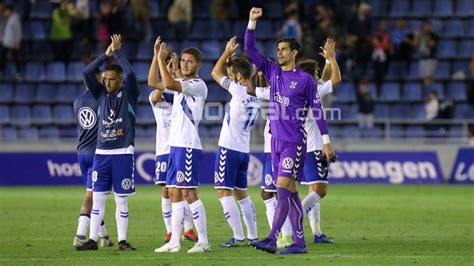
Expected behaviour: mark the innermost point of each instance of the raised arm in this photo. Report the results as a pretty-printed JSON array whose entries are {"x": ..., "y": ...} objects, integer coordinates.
[
  {"x": 90, "y": 74},
  {"x": 218, "y": 70},
  {"x": 263, "y": 63},
  {"x": 154, "y": 79},
  {"x": 168, "y": 81},
  {"x": 331, "y": 69},
  {"x": 120, "y": 57}
]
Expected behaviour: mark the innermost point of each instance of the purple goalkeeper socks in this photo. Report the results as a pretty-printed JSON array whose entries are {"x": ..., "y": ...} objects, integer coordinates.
[
  {"x": 296, "y": 216},
  {"x": 281, "y": 212}
]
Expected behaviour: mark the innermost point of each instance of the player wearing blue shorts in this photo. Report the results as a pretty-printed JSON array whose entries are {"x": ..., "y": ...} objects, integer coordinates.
[
  {"x": 113, "y": 161},
  {"x": 293, "y": 93},
  {"x": 161, "y": 105},
  {"x": 232, "y": 157},
  {"x": 85, "y": 109},
  {"x": 189, "y": 94}
]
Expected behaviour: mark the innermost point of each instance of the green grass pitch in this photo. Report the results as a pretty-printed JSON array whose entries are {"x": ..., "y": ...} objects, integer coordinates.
[{"x": 372, "y": 224}]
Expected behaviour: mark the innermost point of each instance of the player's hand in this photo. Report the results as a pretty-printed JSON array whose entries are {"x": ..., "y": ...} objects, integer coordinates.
[
  {"x": 329, "y": 153},
  {"x": 164, "y": 51},
  {"x": 175, "y": 65},
  {"x": 156, "y": 47},
  {"x": 255, "y": 13},
  {"x": 116, "y": 42},
  {"x": 231, "y": 46},
  {"x": 108, "y": 52}
]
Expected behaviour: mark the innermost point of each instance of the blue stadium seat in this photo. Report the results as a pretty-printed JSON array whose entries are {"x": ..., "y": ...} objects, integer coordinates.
[
  {"x": 145, "y": 113},
  {"x": 414, "y": 72},
  {"x": 463, "y": 111},
  {"x": 49, "y": 133},
  {"x": 466, "y": 48},
  {"x": 68, "y": 132},
  {"x": 412, "y": 91},
  {"x": 269, "y": 49},
  {"x": 141, "y": 70},
  {"x": 345, "y": 92},
  {"x": 34, "y": 71},
  {"x": 421, "y": 8},
  {"x": 460, "y": 66},
  {"x": 379, "y": 7},
  {"x": 437, "y": 25},
  {"x": 140, "y": 132},
  {"x": 24, "y": 93},
  {"x": 274, "y": 9},
  {"x": 457, "y": 132},
  {"x": 381, "y": 111},
  {"x": 128, "y": 48},
  {"x": 211, "y": 50},
  {"x": 395, "y": 70},
  {"x": 413, "y": 131},
  {"x": 155, "y": 9},
  {"x": 188, "y": 44},
  {"x": 400, "y": 111},
  {"x": 37, "y": 30},
  {"x": 8, "y": 133},
  {"x": 464, "y": 8},
  {"x": 4, "y": 114},
  {"x": 6, "y": 93},
  {"x": 390, "y": 91},
  {"x": 56, "y": 72},
  {"x": 418, "y": 111},
  {"x": 399, "y": 8},
  {"x": 66, "y": 93},
  {"x": 443, "y": 8},
  {"x": 200, "y": 30},
  {"x": 205, "y": 71},
  {"x": 10, "y": 72},
  {"x": 446, "y": 49},
  {"x": 350, "y": 132},
  {"x": 470, "y": 28},
  {"x": 63, "y": 114},
  {"x": 454, "y": 28},
  {"x": 216, "y": 93},
  {"x": 456, "y": 91},
  {"x": 145, "y": 51},
  {"x": 41, "y": 10},
  {"x": 377, "y": 132},
  {"x": 46, "y": 93},
  {"x": 239, "y": 28},
  {"x": 41, "y": 50},
  {"x": 265, "y": 30},
  {"x": 396, "y": 131},
  {"x": 373, "y": 91},
  {"x": 41, "y": 114},
  {"x": 174, "y": 46},
  {"x": 75, "y": 71},
  {"x": 442, "y": 70},
  {"x": 438, "y": 87},
  {"x": 28, "y": 133},
  {"x": 21, "y": 114}
]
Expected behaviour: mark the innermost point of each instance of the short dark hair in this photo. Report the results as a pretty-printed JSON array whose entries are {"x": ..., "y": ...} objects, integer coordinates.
[
  {"x": 114, "y": 67},
  {"x": 292, "y": 42},
  {"x": 242, "y": 66},
  {"x": 194, "y": 52},
  {"x": 309, "y": 66}
]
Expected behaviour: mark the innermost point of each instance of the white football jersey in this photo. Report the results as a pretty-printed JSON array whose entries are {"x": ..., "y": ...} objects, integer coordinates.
[
  {"x": 264, "y": 94},
  {"x": 314, "y": 139},
  {"x": 188, "y": 106},
  {"x": 241, "y": 113},
  {"x": 162, "y": 113}
]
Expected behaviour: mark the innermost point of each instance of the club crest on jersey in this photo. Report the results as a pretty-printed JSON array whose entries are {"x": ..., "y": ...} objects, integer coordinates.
[
  {"x": 86, "y": 117},
  {"x": 293, "y": 84},
  {"x": 268, "y": 180},
  {"x": 127, "y": 184},
  {"x": 287, "y": 163},
  {"x": 179, "y": 176}
]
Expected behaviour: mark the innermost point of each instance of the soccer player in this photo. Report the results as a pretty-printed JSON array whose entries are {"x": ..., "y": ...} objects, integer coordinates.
[
  {"x": 113, "y": 160},
  {"x": 232, "y": 157},
  {"x": 316, "y": 166},
  {"x": 190, "y": 93},
  {"x": 292, "y": 92},
  {"x": 85, "y": 108},
  {"x": 161, "y": 105}
]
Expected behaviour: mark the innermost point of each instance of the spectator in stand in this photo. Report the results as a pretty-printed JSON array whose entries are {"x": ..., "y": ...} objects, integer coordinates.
[
  {"x": 432, "y": 105},
  {"x": 291, "y": 27},
  {"x": 380, "y": 53},
  {"x": 141, "y": 17},
  {"x": 403, "y": 41},
  {"x": 366, "y": 105},
  {"x": 180, "y": 17},
  {"x": 61, "y": 35},
  {"x": 220, "y": 12},
  {"x": 324, "y": 25},
  {"x": 427, "y": 43},
  {"x": 110, "y": 22},
  {"x": 11, "y": 40}
]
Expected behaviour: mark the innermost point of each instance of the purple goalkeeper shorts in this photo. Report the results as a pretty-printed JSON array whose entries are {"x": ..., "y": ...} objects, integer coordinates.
[{"x": 288, "y": 159}]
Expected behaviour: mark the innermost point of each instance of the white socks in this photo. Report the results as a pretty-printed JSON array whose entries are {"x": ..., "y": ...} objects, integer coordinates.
[
  {"x": 250, "y": 217},
  {"x": 82, "y": 225},
  {"x": 314, "y": 218},
  {"x": 231, "y": 213},
  {"x": 166, "y": 212},
  {"x": 199, "y": 216},
  {"x": 178, "y": 209},
  {"x": 188, "y": 219},
  {"x": 310, "y": 201},
  {"x": 97, "y": 214},
  {"x": 270, "y": 205},
  {"x": 121, "y": 216}
]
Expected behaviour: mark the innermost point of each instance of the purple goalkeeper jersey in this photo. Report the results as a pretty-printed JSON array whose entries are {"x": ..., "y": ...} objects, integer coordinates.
[{"x": 292, "y": 93}]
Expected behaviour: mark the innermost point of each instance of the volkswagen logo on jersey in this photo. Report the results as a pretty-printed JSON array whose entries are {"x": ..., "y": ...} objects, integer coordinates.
[
  {"x": 127, "y": 184},
  {"x": 86, "y": 117},
  {"x": 179, "y": 177},
  {"x": 287, "y": 163}
]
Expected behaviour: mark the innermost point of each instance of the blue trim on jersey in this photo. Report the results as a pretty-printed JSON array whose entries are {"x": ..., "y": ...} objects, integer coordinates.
[
  {"x": 187, "y": 111},
  {"x": 130, "y": 109}
]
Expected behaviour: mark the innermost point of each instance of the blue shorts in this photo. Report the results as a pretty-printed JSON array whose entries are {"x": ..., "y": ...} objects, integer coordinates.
[
  {"x": 268, "y": 184},
  {"x": 287, "y": 159},
  {"x": 114, "y": 170},
  {"x": 184, "y": 166},
  {"x": 315, "y": 169},
  {"x": 230, "y": 170},
  {"x": 161, "y": 167},
  {"x": 85, "y": 162}
]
